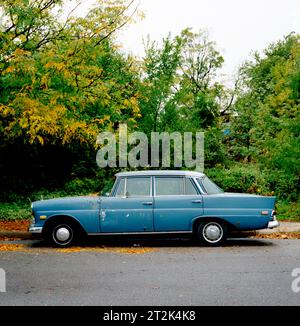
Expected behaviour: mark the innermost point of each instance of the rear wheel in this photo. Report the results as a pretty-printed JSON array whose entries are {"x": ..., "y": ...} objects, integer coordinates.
[
  {"x": 212, "y": 233},
  {"x": 62, "y": 234}
]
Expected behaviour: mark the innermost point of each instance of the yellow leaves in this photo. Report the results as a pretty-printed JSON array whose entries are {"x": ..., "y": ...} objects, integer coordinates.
[
  {"x": 118, "y": 250},
  {"x": 132, "y": 103},
  {"x": 11, "y": 247},
  {"x": 22, "y": 38},
  {"x": 9, "y": 70},
  {"x": 23, "y": 122},
  {"x": 55, "y": 65},
  {"x": 35, "y": 119},
  {"x": 98, "y": 249},
  {"x": 44, "y": 81},
  {"x": 78, "y": 130},
  {"x": 278, "y": 235},
  {"x": 5, "y": 110},
  {"x": 40, "y": 139},
  {"x": 20, "y": 53},
  {"x": 102, "y": 121},
  {"x": 126, "y": 103}
]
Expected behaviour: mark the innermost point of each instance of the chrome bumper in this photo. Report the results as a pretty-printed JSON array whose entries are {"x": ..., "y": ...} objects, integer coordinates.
[
  {"x": 35, "y": 229},
  {"x": 273, "y": 224}
]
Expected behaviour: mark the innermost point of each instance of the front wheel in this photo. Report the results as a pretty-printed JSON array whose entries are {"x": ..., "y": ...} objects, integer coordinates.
[
  {"x": 62, "y": 234},
  {"x": 212, "y": 233}
]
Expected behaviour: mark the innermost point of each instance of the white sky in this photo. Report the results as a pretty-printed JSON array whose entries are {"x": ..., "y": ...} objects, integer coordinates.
[{"x": 238, "y": 27}]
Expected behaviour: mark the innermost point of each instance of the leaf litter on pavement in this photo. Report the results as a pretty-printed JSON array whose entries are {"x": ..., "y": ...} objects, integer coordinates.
[{"x": 102, "y": 249}]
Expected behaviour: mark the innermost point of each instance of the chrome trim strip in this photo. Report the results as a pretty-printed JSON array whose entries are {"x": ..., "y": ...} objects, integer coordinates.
[
  {"x": 35, "y": 229},
  {"x": 140, "y": 233},
  {"x": 202, "y": 192}
]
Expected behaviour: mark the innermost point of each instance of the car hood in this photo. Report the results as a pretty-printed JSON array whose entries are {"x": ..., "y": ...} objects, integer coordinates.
[{"x": 67, "y": 203}]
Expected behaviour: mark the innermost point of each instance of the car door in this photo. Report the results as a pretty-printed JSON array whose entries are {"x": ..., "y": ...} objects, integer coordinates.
[
  {"x": 131, "y": 209},
  {"x": 177, "y": 202}
]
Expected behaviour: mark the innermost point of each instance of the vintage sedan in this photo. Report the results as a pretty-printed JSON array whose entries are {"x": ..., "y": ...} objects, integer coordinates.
[{"x": 154, "y": 202}]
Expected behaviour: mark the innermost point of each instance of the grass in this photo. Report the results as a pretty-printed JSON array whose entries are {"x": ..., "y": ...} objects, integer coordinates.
[{"x": 287, "y": 211}]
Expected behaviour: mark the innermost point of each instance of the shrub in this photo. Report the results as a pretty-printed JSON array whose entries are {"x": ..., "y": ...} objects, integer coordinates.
[
  {"x": 13, "y": 211},
  {"x": 240, "y": 178},
  {"x": 288, "y": 211}
]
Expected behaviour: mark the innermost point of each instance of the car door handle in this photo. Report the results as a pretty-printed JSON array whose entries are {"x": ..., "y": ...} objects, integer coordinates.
[
  {"x": 149, "y": 203},
  {"x": 197, "y": 201}
]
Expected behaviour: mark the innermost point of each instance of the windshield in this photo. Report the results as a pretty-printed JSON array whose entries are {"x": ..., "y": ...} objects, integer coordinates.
[{"x": 209, "y": 186}]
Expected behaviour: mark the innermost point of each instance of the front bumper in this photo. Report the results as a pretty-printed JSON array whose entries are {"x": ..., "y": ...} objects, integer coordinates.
[
  {"x": 273, "y": 224},
  {"x": 35, "y": 229}
]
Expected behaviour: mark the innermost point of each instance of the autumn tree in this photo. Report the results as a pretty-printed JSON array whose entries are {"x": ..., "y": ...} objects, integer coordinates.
[{"x": 62, "y": 79}]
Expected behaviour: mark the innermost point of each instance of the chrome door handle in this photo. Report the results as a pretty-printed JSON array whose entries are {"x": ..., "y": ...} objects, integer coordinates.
[
  {"x": 149, "y": 203},
  {"x": 197, "y": 201}
]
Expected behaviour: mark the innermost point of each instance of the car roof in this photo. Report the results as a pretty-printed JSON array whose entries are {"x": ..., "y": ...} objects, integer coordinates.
[{"x": 161, "y": 173}]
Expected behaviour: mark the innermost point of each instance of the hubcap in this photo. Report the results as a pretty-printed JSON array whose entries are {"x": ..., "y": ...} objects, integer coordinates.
[
  {"x": 62, "y": 234},
  {"x": 213, "y": 232}
]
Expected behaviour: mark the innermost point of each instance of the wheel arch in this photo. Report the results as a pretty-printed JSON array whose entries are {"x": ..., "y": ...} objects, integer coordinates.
[
  {"x": 63, "y": 218},
  {"x": 198, "y": 220}
]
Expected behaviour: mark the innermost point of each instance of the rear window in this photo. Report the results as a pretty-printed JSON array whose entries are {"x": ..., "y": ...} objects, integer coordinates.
[
  {"x": 209, "y": 186},
  {"x": 174, "y": 186}
]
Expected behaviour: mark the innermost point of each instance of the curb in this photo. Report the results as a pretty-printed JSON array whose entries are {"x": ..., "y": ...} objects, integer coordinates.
[{"x": 16, "y": 234}]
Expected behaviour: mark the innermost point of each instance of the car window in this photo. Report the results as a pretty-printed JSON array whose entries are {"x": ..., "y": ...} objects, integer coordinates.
[
  {"x": 189, "y": 187},
  {"x": 167, "y": 186},
  {"x": 209, "y": 186},
  {"x": 138, "y": 187},
  {"x": 121, "y": 188}
]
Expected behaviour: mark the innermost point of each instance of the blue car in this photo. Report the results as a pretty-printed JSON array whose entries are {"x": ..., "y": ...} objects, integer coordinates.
[{"x": 154, "y": 202}]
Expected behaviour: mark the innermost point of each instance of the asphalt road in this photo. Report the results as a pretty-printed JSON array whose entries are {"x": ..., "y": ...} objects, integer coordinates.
[{"x": 245, "y": 272}]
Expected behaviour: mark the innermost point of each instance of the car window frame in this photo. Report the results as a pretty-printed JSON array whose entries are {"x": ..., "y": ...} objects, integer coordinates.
[
  {"x": 199, "y": 181},
  {"x": 198, "y": 193},
  {"x": 118, "y": 183},
  {"x": 125, "y": 187}
]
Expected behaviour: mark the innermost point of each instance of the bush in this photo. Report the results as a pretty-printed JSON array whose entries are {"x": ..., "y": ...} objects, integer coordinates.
[
  {"x": 284, "y": 185},
  {"x": 241, "y": 178},
  {"x": 18, "y": 206},
  {"x": 13, "y": 211},
  {"x": 82, "y": 186},
  {"x": 288, "y": 211}
]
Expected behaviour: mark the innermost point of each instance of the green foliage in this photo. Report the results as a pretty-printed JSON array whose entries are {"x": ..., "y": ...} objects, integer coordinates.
[
  {"x": 266, "y": 126},
  {"x": 244, "y": 178},
  {"x": 63, "y": 82},
  {"x": 14, "y": 211},
  {"x": 288, "y": 211},
  {"x": 179, "y": 91}
]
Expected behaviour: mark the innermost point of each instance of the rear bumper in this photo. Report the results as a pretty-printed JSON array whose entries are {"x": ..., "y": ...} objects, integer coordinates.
[
  {"x": 273, "y": 224},
  {"x": 35, "y": 229}
]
